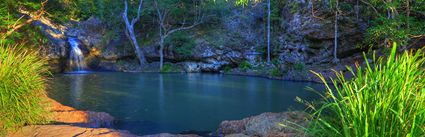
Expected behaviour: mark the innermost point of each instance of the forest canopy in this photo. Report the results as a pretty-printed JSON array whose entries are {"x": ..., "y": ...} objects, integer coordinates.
[{"x": 389, "y": 20}]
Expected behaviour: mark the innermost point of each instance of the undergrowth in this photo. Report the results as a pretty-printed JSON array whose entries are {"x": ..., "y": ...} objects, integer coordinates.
[
  {"x": 386, "y": 98},
  {"x": 22, "y": 87}
]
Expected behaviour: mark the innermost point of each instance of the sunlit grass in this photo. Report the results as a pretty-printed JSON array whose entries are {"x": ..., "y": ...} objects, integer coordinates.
[
  {"x": 384, "y": 99},
  {"x": 22, "y": 87}
]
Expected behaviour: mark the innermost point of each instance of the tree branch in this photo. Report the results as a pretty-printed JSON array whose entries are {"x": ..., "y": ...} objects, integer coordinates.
[
  {"x": 138, "y": 13},
  {"x": 183, "y": 28},
  {"x": 124, "y": 14},
  {"x": 39, "y": 14},
  {"x": 374, "y": 9}
]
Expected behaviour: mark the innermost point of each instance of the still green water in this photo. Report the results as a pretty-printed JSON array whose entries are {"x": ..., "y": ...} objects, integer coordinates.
[{"x": 149, "y": 103}]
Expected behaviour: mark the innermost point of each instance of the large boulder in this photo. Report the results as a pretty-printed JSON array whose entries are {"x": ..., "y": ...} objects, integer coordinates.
[{"x": 265, "y": 125}]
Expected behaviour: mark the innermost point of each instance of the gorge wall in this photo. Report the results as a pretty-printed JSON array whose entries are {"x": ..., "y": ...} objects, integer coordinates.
[{"x": 235, "y": 45}]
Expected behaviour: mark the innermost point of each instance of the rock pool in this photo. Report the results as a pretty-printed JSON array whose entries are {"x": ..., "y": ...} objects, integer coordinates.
[{"x": 150, "y": 103}]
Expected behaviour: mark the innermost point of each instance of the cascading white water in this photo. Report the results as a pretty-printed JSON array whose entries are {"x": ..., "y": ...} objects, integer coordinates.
[{"x": 76, "y": 56}]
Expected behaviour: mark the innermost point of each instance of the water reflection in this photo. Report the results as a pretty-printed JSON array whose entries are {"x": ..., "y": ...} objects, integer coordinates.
[
  {"x": 76, "y": 89},
  {"x": 161, "y": 100}
]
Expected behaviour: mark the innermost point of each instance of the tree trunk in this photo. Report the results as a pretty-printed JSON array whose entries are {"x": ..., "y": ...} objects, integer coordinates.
[
  {"x": 357, "y": 10},
  {"x": 268, "y": 31},
  {"x": 164, "y": 29},
  {"x": 139, "y": 52},
  {"x": 336, "y": 34},
  {"x": 408, "y": 13},
  {"x": 161, "y": 53},
  {"x": 389, "y": 16},
  {"x": 131, "y": 34}
]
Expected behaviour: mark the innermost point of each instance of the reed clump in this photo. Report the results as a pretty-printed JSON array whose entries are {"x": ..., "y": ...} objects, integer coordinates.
[
  {"x": 386, "y": 98},
  {"x": 22, "y": 87}
]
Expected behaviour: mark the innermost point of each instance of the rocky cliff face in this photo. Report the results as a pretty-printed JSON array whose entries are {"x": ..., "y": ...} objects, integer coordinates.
[{"x": 235, "y": 45}]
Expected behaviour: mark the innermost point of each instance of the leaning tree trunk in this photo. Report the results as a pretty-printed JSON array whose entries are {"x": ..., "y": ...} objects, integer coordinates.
[
  {"x": 138, "y": 51},
  {"x": 131, "y": 34}
]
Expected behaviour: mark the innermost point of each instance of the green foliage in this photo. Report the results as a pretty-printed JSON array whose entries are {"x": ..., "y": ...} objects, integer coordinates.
[
  {"x": 181, "y": 43},
  {"x": 178, "y": 11},
  {"x": 245, "y": 65},
  {"x": 400, "y": 27},
  {"x": 275, "y": 62},
  {"x": 394, "y": 30},
  {"x": 384, "y": 99},
  {"x": 218, "y": 8},
  {"x": 216, "y": 38},
  {"x": 107, "y": 10},
  {"x": 9, "y": 18},
  {"x": 22, "y": 87},
  {"x": 276, "y": 72},
  {"x": 276, "y": 10},
  {"x": 168, "y": 68},
  {"x": 294, "y": 6},
  {"x": 227, "y": 69},
  {"x": 108, "y": 36},
  {"x": 300, "y": 66}
]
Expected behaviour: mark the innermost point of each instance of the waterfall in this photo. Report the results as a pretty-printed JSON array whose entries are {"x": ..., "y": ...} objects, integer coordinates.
[{"x": 76, "y": 56}]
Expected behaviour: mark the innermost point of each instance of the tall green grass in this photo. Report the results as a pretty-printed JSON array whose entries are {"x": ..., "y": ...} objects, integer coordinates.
[
  {"x": 22, "y": 87},
  {"x": 384, "y": 99}
]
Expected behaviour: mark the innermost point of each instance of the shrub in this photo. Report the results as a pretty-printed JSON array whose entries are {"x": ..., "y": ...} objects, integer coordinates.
[
  {"x": 245, "y": 65},
  {"x": 227, "y": 69},
  {"x": 168, "y": 67},
  {"x": 181, "y": 43},
  {"x": 300, "y": 66},
  {"x": 386, "y": 99},
  {"x": 22, "y": 87},
  {"x": 276, "y": 72},
  {"x": 275, "y": 62}
]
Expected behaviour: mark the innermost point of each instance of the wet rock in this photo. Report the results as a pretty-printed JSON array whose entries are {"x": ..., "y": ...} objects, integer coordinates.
[
  {"x": 85, "y": 118},
  {"x": 71, "y": 122},
  {"x": 267, "y": 124},
  {"x": 191, "y": 67},
  {"x": 233, "y": 127},
  {"x": 67, "y": 115},
  {"x": 204, "y": 50},
  {"x": 89, "y": 32},
  {"x": 264, "y": 125},
  {"x": 68, "y": 131},
  {"x": 214, "y": 66}
]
